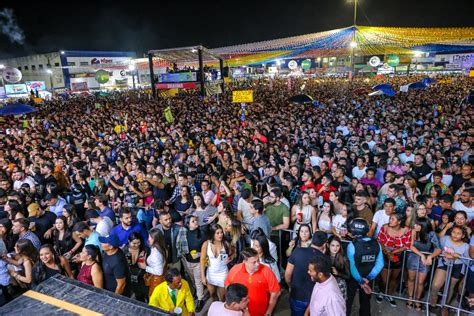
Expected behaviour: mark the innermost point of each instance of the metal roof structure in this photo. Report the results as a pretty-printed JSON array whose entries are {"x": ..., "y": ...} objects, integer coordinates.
[{"x": 186, "y": 55}]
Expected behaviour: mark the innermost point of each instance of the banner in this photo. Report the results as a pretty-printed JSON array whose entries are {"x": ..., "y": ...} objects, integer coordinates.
[
  {"x": 178, "y": 77},
  {"x": 36, "y": 85},
  {"x": 11, "y": 89},
  {"x": 169, "y": 115},
  {"x": 242, "y": 96},
  {"x": 190, "y": 85},
  {"x": 121, "y": 82},
  {"x": 11, "y": 75},
  {"x": 79, "y": 86}
]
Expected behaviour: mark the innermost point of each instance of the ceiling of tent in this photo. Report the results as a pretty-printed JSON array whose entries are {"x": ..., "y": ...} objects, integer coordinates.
[{"x": 370, "y": 41}]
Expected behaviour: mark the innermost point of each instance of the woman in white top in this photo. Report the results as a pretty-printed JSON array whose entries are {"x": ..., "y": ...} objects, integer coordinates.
[
  {"x": 303, "y": 213},
  {"x": 156, "y": 260},
  {"x": 218, "y": 254},
  {"x": 261, "y": 244},
  {"x": 325, "y": 217}
]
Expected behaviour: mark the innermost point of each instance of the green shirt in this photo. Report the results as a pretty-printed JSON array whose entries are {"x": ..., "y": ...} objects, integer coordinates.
[{"x": 275, "y": 213}]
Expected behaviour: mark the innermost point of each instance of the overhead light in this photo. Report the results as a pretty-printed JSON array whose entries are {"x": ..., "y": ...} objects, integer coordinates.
[
  {"x": 2, "y": 66},
  {"x": 131, "y": 67},
  {"x": 63, "y": 52},
  {"x": 49, "y": 71},
  {"x": 353, "y": 44},
  {"x": 194, "y": 50},
  {"x": 418, "y": 53},
  {"x": 319, "y": 59}
]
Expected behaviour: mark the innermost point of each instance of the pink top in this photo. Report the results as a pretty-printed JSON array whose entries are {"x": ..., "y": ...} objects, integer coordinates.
[
  {"x": 218, "y": 309},
  {"x": 327, "y": 299}
]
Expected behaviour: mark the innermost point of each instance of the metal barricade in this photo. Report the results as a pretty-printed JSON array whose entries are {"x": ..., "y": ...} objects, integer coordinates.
[
  {"x": 445, "y": 301},
  {"x": 424, "y": 300}
]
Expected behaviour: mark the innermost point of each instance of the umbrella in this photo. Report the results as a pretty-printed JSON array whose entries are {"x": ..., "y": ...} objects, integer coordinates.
[
  {"x": 428, "y": 81},
  {"x": 16, "y": 109},
  {"x": 382, "y": 86},
  {"x": 417, "y": 85},
  {"x": 301, "y": 98},
  {"x": 388, "y": 92}
]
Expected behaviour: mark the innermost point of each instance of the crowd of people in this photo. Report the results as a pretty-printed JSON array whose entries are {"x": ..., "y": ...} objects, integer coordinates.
[{"x": 325, "y": 199}]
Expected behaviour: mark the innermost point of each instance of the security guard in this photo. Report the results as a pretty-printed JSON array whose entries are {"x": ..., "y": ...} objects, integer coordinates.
[{"x": 366, "y": 262}]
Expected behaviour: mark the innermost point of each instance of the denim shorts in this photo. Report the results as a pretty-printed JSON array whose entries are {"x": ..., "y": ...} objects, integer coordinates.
[{"x": 414, "y": 263}]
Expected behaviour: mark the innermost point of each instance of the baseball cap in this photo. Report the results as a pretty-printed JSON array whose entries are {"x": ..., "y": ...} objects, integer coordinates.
[
  {"x": 319, "y": 238},
  {"x": 111, "y": 240}
]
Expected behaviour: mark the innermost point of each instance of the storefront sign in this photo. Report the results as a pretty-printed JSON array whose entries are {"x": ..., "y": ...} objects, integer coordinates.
[
  {"x": 393, "y": 60},
  {"x": 374, "y": 61},
  {"x": 292, "y": 64},
  {"x": 97, "y": 61},
  {"x": 242, "y": 96},
  {"x": 102, "y": 76},
  {"x": 189, "y": 85}
]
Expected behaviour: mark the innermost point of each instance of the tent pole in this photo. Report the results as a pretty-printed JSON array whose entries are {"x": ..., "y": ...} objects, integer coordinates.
[
  {"x": 201, "y": 71},
  {"x": 152, "y": 74},
  {"x": 221, "y": 65}
]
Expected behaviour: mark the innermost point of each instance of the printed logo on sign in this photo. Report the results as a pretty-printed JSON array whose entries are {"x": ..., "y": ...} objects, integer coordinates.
[
  {"x": 97, "y": 61},
  {"x": 368, "y": 258}
]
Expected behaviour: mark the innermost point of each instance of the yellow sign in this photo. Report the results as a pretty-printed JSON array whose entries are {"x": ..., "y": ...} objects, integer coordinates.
[{"x": 242, "y": 96}]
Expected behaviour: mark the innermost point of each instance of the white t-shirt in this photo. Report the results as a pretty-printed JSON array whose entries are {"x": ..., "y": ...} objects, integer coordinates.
[
  {"x": 404, "y": 158},
  {"x": 458, "y": 206},
  {"x": 315, "y": 160},
  {"x": 104, "y": 227},
  {"x": 17, "y": 184},
  {"x": 380, "y": 218},
  {"x": 338, "y": 221},
  {"x": 358, "y": 173}
]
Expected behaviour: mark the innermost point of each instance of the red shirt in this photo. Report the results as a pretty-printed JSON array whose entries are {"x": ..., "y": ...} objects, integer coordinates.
[
  {"x": 325, "y": 194},
  {"x": 260, "y": 285},
  {"x": 305, "y": 187}
]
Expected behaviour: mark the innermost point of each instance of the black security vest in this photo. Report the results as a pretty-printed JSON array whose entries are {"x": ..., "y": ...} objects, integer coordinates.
[{"x": 365, "y": 255}]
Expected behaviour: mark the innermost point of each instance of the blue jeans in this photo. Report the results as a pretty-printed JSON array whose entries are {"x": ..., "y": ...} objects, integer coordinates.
[{"x": 298, "y": 307}]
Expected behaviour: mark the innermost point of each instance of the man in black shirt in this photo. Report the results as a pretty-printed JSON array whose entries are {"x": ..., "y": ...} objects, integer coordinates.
[
  {"x": 115, "y": 266},
  {"x": 420, "y": 169},
  {"x": 296, "y": 273},
  {"x": 43, "y": 221}
]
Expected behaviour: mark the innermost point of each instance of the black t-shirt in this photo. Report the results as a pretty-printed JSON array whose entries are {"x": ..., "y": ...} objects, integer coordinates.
[
  {"x": 458, "y": 181},
  {"x": 301, "y": 284},
  {"x": 194, "y": 243},
  {"x": 116, "y": 267},
  {"x": 42, "y": 224},
  {"x": 421, "y": 171}
]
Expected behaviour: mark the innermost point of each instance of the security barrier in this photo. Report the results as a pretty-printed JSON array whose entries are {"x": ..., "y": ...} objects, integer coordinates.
[{"x": 403, "y": 283}]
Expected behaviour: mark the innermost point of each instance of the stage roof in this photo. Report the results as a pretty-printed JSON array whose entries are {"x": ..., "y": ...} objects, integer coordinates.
[{"x": 184, "y": 55}]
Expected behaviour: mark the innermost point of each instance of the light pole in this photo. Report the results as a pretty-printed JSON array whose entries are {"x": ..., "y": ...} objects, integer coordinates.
[
  {"x": 355, "y": 12},
  {"x": 132, "y": 69},
  {"x": 50, "y": 72},
  {"x": 353, "y": 46},
  {"x": 2, "y": 66}
]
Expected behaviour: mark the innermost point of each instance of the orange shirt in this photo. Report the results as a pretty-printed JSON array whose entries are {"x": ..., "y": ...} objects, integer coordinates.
[{"x": 260, "y": 285}]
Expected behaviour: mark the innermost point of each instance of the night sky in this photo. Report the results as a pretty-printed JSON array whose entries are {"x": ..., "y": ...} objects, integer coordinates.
[{"x": 143, "y": 25}]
